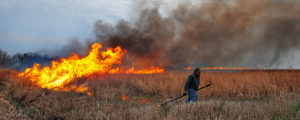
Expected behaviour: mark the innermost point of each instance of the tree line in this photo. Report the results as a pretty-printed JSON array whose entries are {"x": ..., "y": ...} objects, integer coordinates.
[{"x": 21, "y": 61}]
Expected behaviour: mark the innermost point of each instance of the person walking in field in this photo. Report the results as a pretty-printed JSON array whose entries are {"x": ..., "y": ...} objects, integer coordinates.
[{"x": 191, "y": 85}]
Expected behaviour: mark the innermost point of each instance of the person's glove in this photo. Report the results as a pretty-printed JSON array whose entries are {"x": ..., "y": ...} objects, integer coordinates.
[{"x": 184, "y": 93}]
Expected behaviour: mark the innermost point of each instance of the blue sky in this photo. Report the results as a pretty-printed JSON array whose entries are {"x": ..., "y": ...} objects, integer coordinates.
[
  {"x": 31, "y": 25},
  {"x": 34, "y": 25}
]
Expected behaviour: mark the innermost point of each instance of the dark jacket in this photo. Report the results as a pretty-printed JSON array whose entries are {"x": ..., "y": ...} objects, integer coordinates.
[{"x": 192, "y": 82}]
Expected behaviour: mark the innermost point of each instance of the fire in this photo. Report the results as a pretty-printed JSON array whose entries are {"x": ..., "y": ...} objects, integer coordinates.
[
  {"x": 61, "y": 74},
  {"x": 222, "y": 68},
  {"x": 145, "y": 71},
  {"x": 133, "y": 71},
  {"x": 188, "y": 68},
  {"x": 218, "y": 68},
  {"x": 124, "y": 97}
]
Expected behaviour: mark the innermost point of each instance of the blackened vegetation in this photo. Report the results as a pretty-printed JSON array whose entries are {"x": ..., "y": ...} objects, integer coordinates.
[{"x": 235, "y": 32}]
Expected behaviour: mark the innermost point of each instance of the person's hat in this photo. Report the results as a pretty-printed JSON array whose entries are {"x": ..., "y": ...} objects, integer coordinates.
[{"x": 197, "y": 69}]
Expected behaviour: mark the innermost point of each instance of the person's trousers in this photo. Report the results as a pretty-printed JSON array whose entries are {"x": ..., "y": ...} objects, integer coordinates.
[{"x": 192, "y": 95}]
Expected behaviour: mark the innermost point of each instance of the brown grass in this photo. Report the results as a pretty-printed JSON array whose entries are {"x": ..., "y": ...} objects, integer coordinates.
[
  {"x": 225, "y": 84},
  {"x": 233, "y": 95}
]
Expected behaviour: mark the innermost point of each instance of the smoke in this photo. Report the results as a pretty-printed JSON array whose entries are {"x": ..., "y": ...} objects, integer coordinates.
[
  {"x": 252, "y": 33},
  {"x": 74, "y": 45}
]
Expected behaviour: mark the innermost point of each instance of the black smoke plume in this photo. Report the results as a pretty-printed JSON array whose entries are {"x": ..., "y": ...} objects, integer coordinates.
[{"x": 220, "y": 33}]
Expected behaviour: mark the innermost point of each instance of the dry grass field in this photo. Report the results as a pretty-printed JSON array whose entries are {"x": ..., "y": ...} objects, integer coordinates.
[{"x": 270, "y": 95}]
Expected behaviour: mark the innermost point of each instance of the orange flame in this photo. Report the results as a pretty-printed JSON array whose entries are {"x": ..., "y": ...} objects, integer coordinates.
[
  {"x": 222, "y": 68},
  {"x": 145, "y": 71},
  {"x": 124, "y": 97},
  {"x": 63, "y": 72},
  {"x": 132, "y": 70},
  {"x": 217, "y": 68},
  {"x": 188, "y": 68}
]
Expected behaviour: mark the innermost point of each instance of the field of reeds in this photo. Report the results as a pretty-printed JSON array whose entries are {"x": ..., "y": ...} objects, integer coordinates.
[{"x": 244, "y": 95}]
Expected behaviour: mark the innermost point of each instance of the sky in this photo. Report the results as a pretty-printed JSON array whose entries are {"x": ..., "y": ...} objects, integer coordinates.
[
  {"x": 48, "y": 25},
  {"x": 37, "y": 25},
  {"x": 32, "y": 25}
]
